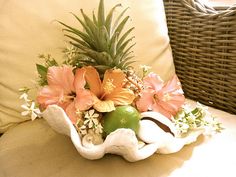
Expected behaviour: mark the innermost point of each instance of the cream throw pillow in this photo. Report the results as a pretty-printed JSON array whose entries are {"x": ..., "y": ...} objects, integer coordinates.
[{"x": 28, "y": 28}]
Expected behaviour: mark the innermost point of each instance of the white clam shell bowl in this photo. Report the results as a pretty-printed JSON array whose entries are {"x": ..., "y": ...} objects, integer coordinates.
[{"x": 123, "y": 141}]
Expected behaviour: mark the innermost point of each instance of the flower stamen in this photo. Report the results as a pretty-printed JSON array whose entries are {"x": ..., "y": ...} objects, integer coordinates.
[{"x": 109, "y": 86}]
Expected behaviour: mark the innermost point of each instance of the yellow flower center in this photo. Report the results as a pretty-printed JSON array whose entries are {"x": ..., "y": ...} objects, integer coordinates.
[
  {"x": 166, "y": 97},
  {"x": 109, "y": 86},
  {"x": 68, "y": 98}
]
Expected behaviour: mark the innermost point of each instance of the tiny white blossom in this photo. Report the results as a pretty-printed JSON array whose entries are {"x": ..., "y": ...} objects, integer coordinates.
[
  {"x": 145, "y": 68},
  {"x": 83, "y": 130},
  {"x": 187, "y": 108},
  {"x": 24, "y": 96},
  {"x": 203, "y": 108},
  {"x": 91, "y": 118},
  {"x": 31, "y": 110},
  {"x": 98, "y": 129}
]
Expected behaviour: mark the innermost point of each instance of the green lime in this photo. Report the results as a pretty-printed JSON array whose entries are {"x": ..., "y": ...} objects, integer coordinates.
[{"x": 121, "y": 117}]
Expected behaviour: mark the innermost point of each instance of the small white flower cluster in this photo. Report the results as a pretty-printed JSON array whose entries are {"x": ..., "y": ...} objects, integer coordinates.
[
  {"x": 70, "y": 51},
  {"x": 29, "y": 107},
  {"x": 145, "y": 69},
  {"x": 89, "y": 123},
  {"x": 199, "y": 117}
]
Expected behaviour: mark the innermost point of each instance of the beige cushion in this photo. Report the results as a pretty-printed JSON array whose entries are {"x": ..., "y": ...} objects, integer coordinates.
[
  {"x": 28, "y": 29},
  {"x": 33, "y": 149}
]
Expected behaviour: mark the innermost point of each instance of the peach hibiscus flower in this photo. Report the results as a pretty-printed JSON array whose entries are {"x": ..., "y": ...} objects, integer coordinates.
[
  {"x": 66, "y": 90},
  {"x": 166, "y": 99},
  {"x": 109, "y": 92}
]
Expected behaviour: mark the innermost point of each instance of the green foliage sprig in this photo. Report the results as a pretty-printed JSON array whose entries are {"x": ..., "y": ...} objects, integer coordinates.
[{"x": 43, "y": 69}]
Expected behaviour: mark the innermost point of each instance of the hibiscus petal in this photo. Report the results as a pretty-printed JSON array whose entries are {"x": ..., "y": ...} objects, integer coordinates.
[
  {"x": 172, "y": 85},
  {"x": 153, "y": 81},
  {"x": 62, "y": 77},
  {"x": 170, "y": 98},
  {"x": 93, "y": 80},
  {"x": 71, "y": 112},
  {"x": 116, "y": 76},
  {"x": 175, "y": 104},
  {"x": 49, "y": 95},
  {"x": 104, "y": 106},
  {"x": 121, "y": 96},
  {"x": 158, "y": 108},
  {"x": 168, "y": 107},
  {"x": 145, "y": 101},
  {"x": 84, "y": 99},
  {"x": 79, "y": 81}
]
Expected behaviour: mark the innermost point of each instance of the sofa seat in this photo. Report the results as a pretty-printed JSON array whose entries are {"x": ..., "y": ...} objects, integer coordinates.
[{"x": 33, "y": 149}]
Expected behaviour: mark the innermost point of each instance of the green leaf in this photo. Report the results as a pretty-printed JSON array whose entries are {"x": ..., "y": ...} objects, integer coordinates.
[
  {"x": 122, "y": 47},
  {"x": 89, "y": 23},
  {"x": 127, "y": 52},
  {"x": 103, "y": 39},
  {"x": 83, "y": 43},
  {"x": 85, "y": 38},
  {"x": 113, "y": 45},
  {"x": 116, "y": 23},
  {"x": 101, "y": 14},
  {"x": 121, "y": 25},
  {"x": 109, "y": 19},
  {"x": 129, "y": 63},
  {"x": 95, "y": 19},
  {"x": 121, "y": 40},
  {"x": 51, "y": 62},
  {"x": 87, "y": 29},
  {"x": 126, "y": 62},
  {"x": 102, "y": 68},
  {"x": 82, "y": 35},
  {"x": 42, "y": 70},
  {"x": 93, "y": 28},
  {"x": 79, "y": 46}
]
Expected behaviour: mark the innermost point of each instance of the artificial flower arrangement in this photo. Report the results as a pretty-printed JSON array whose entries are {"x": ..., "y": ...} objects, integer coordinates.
[{"x": 97, "y": 98}]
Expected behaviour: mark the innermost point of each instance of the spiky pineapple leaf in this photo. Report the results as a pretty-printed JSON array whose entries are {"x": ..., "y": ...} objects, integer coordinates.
[
  {"x": 124, "y": 45},
  {"x": 117, "y": 32},
  {"x": 116, "y": 23},
  {"x": 80, "y": 34},
  {"x": 124, "y": 36},
  {"x": 87, "y": 29},
  {"x": 120, "y": 27},
  {"x": 102, "y": 68},
  {"x": 128, "y": 51},
  {"x": 89, "y": 23},
  {"x": 102, "y": 41},
  {"x": 109, "y": 17},
  {"x": 101, "y": 13},
  {"x": 126, "y": 63},
  {"x": 83, "y": 43},
  {"x": 95, "y": 21},
  {"x": 113, "y": 45},
  {"x": 79, "y": 46}
]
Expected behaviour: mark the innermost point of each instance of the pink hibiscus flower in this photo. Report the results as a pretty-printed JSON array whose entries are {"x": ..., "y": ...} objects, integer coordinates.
[
  {"x": 166, "y": 99},
  {"x": 66, "y": 90}
]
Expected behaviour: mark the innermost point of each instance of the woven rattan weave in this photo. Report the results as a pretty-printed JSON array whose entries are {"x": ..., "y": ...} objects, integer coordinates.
[{"x": 203, "y": 40}]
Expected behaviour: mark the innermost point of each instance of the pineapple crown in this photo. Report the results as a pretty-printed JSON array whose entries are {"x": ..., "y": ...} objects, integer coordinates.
[{"x": 102, "y": 42}]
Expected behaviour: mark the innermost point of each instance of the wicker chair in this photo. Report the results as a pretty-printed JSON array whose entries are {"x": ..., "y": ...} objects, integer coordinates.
[{"x": 203, "y": 40}]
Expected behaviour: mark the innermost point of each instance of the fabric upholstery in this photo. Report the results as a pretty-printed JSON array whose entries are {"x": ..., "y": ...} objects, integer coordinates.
[
  {"x": 28, "y": 28},
  {"x": 34, "y": 149}
]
